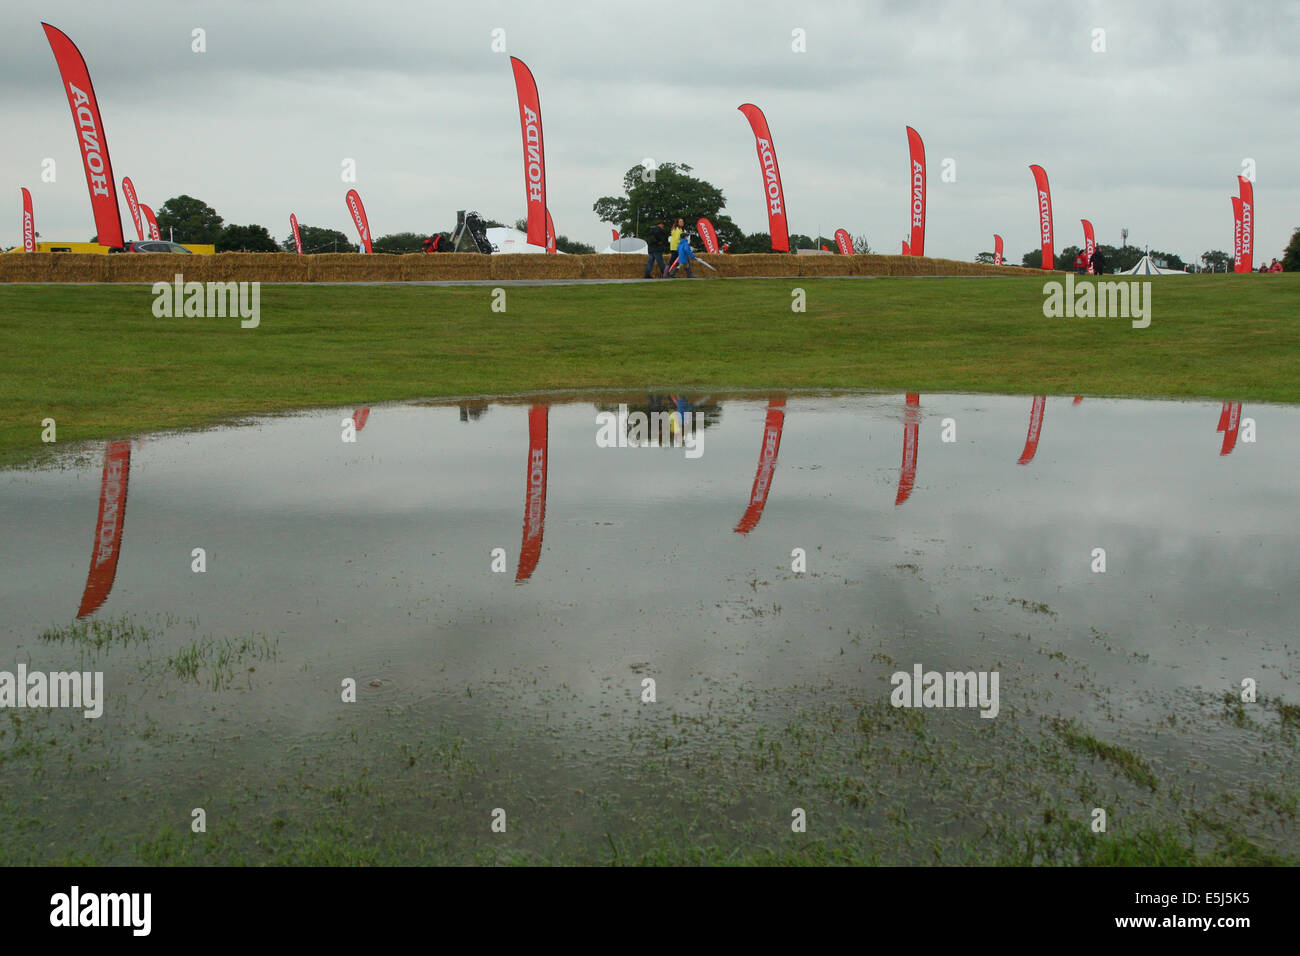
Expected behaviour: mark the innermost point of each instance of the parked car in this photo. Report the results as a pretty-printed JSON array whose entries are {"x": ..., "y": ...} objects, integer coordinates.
[{"x": 155, "y": 245}]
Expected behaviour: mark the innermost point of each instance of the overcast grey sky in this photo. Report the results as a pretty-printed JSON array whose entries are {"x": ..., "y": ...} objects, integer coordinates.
[{"x": 1149, "y": 135}]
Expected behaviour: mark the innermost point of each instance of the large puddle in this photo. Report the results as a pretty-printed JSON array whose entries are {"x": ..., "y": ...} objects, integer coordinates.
[{"x": 508, "y": 583}]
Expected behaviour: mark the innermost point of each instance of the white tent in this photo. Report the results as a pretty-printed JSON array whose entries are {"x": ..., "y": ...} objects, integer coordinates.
[
  {"x": 507, "y": 240},
  {"x": 1145, "y": 267},
  {"x": 630, "y": 246}
]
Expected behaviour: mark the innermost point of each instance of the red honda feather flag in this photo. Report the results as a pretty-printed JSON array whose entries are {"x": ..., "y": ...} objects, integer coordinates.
[
  {"x": 1236, "y": 234},
  {"x": 297, "y": 239},
  {"x": 911, "y": 434},
  {"x": 90, "y": 136},
  {"x": 530, "y": 124},
  {"x": 1089, "y": 243},
  {"x": 108, "y": 527},
  {"x": 773, "y": 425},
  {"x": 614, "y": 232},
  {"x": 916, "y": 190},
  {"x": 906, "y": 250},
  {"x": 29, "y": 222},
  {"x": 772, "y": 192},
  {"x": 133, "y": 205},
  {"x": 1223, "y": 416},
  {"x": 530, "y": 550},
  {"x": 359, "y": 218},
  {"x": 844, "y": 241},
  {"x": 997, "y": 249},
  {"x": 1044, "y": 215},
  {"x": 1247, "y": 224},
  {"x": 825, "y": 248},
  {"x": 550, "y": 233},
  {"x": 1035, "y": 430},
  {"x": 150, "y": 221},
  {"x": 708, "y": 235}
]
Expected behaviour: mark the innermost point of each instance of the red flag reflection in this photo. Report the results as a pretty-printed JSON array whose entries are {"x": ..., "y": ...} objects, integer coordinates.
[
  {"x": 1230, "y": 424},
  {"x": 535, "y": 496},
  {"x": 767, "y": 453},
  {"x": 1035, "y": 429},
  {"x": 108, "y": 527},
  {"x": 911, "y": 430}
]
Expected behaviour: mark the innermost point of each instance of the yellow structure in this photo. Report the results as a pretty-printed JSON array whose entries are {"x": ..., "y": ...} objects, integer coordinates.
[{"x": 199, "y": 249}]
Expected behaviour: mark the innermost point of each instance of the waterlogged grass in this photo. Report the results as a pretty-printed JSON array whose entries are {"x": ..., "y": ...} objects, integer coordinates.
[
  {"x": 217, "y": 662},
  {"x": 1132, "y": 766},
  {"x": 96, "y": 634},
  {"x": 118, "y": 370}
]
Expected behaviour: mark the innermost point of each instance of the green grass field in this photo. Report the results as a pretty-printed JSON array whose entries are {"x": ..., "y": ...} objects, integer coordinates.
[{"x": 95, "y": 359}]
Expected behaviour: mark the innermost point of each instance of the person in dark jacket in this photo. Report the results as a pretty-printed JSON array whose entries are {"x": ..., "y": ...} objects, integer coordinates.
[
  {"x": 1098, "y": 262},
  {"x": 657, "y": 245}
]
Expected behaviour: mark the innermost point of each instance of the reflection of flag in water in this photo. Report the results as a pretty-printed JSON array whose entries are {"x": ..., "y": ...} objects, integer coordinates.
[
  {"x": 360, "y": 417},
  {"x": 1078, "y": 399},
  {"x": 1035, "y": 429},
  {"x": 1229, "y": 419},
  {"x": 911, "y": 430},
  {"x": 108, "y": 527},
  {"x": 535, "y": 495},
  {"x": 767, "y": 453}
]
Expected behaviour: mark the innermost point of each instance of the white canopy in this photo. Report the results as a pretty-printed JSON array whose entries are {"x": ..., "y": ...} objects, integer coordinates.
[
  {"x": 1145, "y": 267},
  {"x": 508, "y": 240},
  {"x": 629, "y": 246}
]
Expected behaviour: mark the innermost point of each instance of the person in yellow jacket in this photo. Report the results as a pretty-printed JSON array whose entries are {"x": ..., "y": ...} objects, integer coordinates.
[{"x": 675, "y": 237}]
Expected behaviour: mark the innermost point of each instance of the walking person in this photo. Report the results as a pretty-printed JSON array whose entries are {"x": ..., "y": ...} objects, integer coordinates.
[
  {"x": 684, "y": 254},
  {"x": 673, "y": 238},
  {"x": 656, "y": 243}
]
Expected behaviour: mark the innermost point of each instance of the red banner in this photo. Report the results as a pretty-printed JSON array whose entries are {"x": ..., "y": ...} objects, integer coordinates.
[
  {"x": 297, "y": 239},
  {"x": 133, "y": 205},
  {"x": 360, "y": 417},
  {"x": 1089, "y": 243},
  {"x": 90, "y": 136},
  {"x": 359, "y": 219},
  {"x": 911, "y": 435},
  {"x": 1230, "y": 428},
  {"x": 906, "y": 251},
  {"x": 614, "y": 232},
  {"x": 1044, "y": 215},
  {"x": 530, "y": 123},
  {"x": 916, "y": 190},
  {"x": 767, "y": 452},
  {"x": 708, "y": 235},
  {"x": 150, "y": 221},
  {"x": 844, "y": 241},
  {"x": 1035, "y": 429},
  {"x": 108, "y": 527},
  {"x": 550, "y": 234},
  {"x": 1247, "y": 224},
  {"x": 535, "y": 495},
  {"x": 1236, "y": 234},
  {"x": 29, "y": 222},
  {"x": 772, "y": 192},
  {"x": 997, "y": 249},
  {"x": 1223, "y": 416}
]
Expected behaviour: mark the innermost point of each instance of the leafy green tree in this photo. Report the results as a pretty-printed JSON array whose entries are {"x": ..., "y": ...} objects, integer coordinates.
[
  {"x": 252, "y": 238},
  {"x": 1216, "y": 260},
  {"x": 667, "y": 192},
  {"x": 1291, "y": 258},
  {"x": 400, "y": 242},
  {"x": 189, "y": 220},
  {"x": 318, "y": 239},
  {"x": 984, "y": 257}
]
